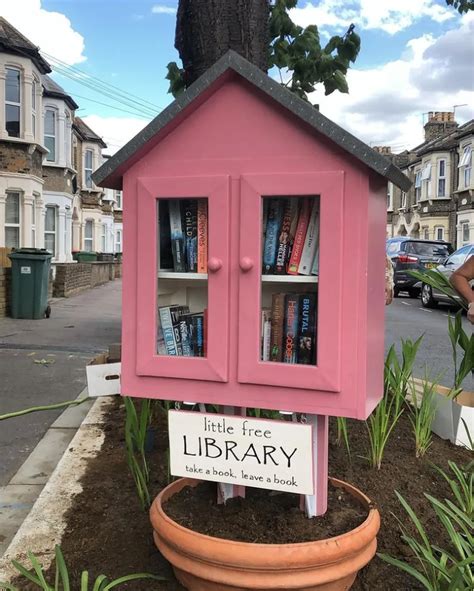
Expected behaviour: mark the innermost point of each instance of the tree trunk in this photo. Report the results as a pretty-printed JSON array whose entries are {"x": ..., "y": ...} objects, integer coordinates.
[{"x": 207, "y": 29}]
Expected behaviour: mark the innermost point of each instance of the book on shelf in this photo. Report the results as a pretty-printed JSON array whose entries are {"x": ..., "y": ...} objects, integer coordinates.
[
  {"x": 176, "y": 313},
  {"x": 311, "y": 242},
  {"x": 198, "y": 334},
  {"x": 274, "y": 215},
  {"x": 205, "y": 327},
  {"x": 290, "y": 329},
  {"x": 186, "y": 336},
  {"x": 289, "y": 220},
  {"x": 276, "y": 327},
  {"x": 266, "y": 331},
  {"x": 177, "y": 236},
  {"x": 300, "y": 236},
  {"x": 190, "y": 207},
  {"x": 160, "y": 341},
  {"x": 202, "y": 230},
  {"x": 307, "y": 337},
  {"x": 166, "y": 322},
  {"x": 166, "y": 254}
]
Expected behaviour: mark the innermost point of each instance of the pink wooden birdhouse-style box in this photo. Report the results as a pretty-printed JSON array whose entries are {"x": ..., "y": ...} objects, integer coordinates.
[{"x": 254, "y": 251}]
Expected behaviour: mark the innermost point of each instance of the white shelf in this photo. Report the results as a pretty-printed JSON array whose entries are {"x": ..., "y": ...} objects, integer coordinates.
[
  {"x": 289, "y": 279},
  {"x": 180, "y": 276}
]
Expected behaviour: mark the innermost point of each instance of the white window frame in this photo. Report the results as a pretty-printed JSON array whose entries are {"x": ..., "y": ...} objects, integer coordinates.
[
  {"x": 426, "y": 180},
  {"x": 16, "y": 225},
  {"x": 103, "y": 238},
  {"x": 33, "y": 223},
  {"x": 13, "y": 103},
  {"x": 403, "y": 203},
  {"x": 33, "y": 106},
  {"x": 437, "y": 230},
  {"x": 118, "y": 240},
  {"x": 441, "y": 177},
  {"x": 465, "y": 162},
  {"x": 87, "y": 177},
  {"x": 89, "y": 240},
  {"x": 426, "y": 233},
  {"x": 54, "y": 232},
  {"x": 51, "y": 135},
  {"x": 465, "y": 224},
  {"x": 418, "y": 174},
  {"x": 118, "y": 199}
]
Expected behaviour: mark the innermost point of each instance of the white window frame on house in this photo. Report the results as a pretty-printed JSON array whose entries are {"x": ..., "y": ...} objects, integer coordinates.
[
  {"x": 118, "y": 199},
  {"x": 9, "y": 103},
  {"x": 465, "y": 163},
  {"x": 426, "y": 180},
  {"x": 52, "y": 137},
  {"x": 33, "y": 223},
  {"x": 33, "y": 106},
  {"x": 426, "y": 233},
  {"x": 465, "y": 236},
  {"x": 88, "y": 169},
  {"x": 403, "y": 203},
  {"x": 103, "y": 238},
  {"x": 439, "y": 233},
  {"x": 418, "y": 174},
  {"x": 118, "y": 240},
  {"x": 441, "y": 192},
  {"x": 89, "y": 240},
  {"x": 51, "y": 232},
  {"x": 11, "y": 224}
]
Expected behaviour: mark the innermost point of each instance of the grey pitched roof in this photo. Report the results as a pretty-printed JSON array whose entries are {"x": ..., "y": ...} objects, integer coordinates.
[
  {"x": 52, "y": 88},
  {"x": 447, "y": 141},
  {"x": 86, "y": 132},
  {"x": 12, "y": 41},
  {"x": 295, "y": 105}
]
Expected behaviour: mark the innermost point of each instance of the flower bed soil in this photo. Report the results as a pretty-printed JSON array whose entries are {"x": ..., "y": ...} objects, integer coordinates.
[{"x": 108, "y": 533}]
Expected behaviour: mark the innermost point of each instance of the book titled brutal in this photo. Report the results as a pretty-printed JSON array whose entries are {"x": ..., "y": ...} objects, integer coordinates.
[{"x": 307, "y": 337}]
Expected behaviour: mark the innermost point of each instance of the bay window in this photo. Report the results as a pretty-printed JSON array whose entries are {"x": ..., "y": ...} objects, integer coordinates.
[
  {"x": 88, "y": 236},
  {"x": 12, "y": 220},
  {"x": 441, "y": 178},
  {"x": 118, "y": 241},
  {"x": 88, "y": 169},
  {"x": 417, "y": 186},
  {"x": 426, "y": 179},
  {"x": 118, "y": 199},
  {"x": 33, "y": 107},
  {"x": 439, "y": 233},
  {"x": 50, "y": 224},
  {"x": 104, "y": 238},
  {"x": 50, "y": 134},
  {"x": 13, "y": 101}
]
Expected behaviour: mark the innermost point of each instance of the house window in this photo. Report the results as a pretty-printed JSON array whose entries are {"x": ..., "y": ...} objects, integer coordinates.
[
  {"x": 103, "y": 237},
  {"x": 426, "y": 234},
  {"x": 50, "y": 229},
  {"x": 118, "y": 199},
  {"x": 33, "y": 107},
  {"x": 12, "y": 220},
  {"x": 88, "y": 236},
  {"x": 50, "y": 134},
  {"x": 12, "y": 102},
  {"x": 88, "y": 168},
  {"x": 118, "y": 241},
  {"x": 439, "y": 233},
  {"x": 465, "y": 163},
  {"x": 466, "y": 234},
  {"x": 441, "y": 178},
  {"x": 426, "y": 179},
  {"x": 417, "y": 186},
  {"x": 33, "y": 222}
]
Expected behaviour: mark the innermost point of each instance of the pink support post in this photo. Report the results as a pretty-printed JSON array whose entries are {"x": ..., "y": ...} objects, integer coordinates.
[
  {"x": 317, "y": 503},
  {"x": 226, "y": 491}
]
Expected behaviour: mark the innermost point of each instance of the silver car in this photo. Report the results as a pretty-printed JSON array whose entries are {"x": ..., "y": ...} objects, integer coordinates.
[{"x": 430, "y": 297}]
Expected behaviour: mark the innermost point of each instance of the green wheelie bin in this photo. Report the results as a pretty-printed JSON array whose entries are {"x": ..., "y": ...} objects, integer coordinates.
[{"x": 30, "y": 278}]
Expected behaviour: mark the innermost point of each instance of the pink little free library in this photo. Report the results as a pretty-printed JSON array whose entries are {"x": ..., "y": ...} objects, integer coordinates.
[{"x": 254, "y": 251}]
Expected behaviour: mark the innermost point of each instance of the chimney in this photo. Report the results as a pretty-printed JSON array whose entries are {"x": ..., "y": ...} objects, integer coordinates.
[
  {"x": 439, "y": 123},
  {"x": 384, "y": 150}
]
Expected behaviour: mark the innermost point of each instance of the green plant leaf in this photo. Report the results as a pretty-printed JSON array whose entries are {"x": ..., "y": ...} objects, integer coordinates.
[
  {"x": 133, "y": 577},
  {"x": 408, "y": 569},
  {"x": 62, "y": 568}
]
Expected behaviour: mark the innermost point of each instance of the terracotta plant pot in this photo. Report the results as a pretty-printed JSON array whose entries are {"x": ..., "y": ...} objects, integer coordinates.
[{"x": 204, "y": 563}]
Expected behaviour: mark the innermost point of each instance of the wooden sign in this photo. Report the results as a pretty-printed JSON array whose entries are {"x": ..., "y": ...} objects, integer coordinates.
[{"x": 275, "y": 455}]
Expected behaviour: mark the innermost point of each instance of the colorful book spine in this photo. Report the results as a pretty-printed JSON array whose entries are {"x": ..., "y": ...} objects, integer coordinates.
[
  {"x": 277, "y": 315},
  {"x": 311, "y": 241},
  {"x": 177, "y": 236},
  {"x": 168, "y": 332},
  {"x": 202, "y": 229},
  {"x": 293, "y": 227},
  {"x": 300, "y": 236},
  {"x": 266, "y": 334},
  {"x": 190, "y": 232},
  {"x": 290, "y": 328},
  {"x": 289, "y": 213},
  {"x": 306, "y": 354},
  {"x": 198, "y": 334},
  {"x": 188, "y": 318},
  {"x": 274, "y": 216},
  {"x": 185, "y": 337}
]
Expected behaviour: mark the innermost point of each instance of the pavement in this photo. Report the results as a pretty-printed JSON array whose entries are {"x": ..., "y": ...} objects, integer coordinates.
[{"x": 43, "y": 362}]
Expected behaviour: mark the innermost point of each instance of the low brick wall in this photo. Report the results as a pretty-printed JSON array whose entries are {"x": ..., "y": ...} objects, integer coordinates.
[
  {"x": 72, "y": 278},
  {"x": 5, "y": 282}
]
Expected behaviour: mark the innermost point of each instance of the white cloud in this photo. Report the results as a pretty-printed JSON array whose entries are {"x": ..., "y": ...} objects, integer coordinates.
[
  {"x": 115, "y": 131},
  {"x": 386, "y": 104},
  {"x": 51, "y": 31},
  {"x": 391, "y": 16},
  {"x": 160, "y": 9}
]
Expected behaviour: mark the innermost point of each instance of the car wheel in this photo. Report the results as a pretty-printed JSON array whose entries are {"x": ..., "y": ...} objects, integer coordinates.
[
  {"x": 413, "y": 293},
  {"x": 427, "y": 300}
]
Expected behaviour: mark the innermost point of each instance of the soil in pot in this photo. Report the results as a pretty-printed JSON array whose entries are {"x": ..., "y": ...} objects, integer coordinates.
[
  {"x": 106, "y": 531},
  {"x": 264, "y": 517}
]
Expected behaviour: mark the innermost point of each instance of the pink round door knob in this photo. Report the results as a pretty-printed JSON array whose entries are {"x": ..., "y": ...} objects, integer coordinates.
[
  {"x": 214, "y": 264},
  {"x": 246, "y": 263}
]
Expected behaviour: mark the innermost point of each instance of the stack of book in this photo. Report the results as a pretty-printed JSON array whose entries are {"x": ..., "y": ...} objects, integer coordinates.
[
  {"x": 291, "y": 236},
  {"x": 288, "y": 331},
  {"x": 183, "y": 235},
  {"x": 180, "y": 332}
]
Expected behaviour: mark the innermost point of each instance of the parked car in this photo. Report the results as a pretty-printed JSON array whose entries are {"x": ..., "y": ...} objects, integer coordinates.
[
  {"x": 410, "y": 254},
  {"x": 431, "y": 297}
]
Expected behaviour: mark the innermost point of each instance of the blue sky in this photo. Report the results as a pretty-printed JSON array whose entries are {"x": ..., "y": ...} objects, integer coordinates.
[{"x": 416, "y": 56}]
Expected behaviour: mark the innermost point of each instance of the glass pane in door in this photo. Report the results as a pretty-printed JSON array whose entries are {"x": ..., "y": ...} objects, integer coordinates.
[
  {"x": 182, "y": 277},
  {"x": 289, "y": 279}
]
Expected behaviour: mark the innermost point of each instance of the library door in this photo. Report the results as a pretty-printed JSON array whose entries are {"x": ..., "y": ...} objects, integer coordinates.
[
  {"x": 182, "y": 277},
  {"x": 291, "y": 279}
]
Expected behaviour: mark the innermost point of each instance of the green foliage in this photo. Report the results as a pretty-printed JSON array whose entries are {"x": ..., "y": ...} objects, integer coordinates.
[
  {"x": 397, "y": 373},
  {"x": 36, "y": 576},
  {"x": 439, "y": 569},
  {"x": 460, "y": 341},
  {"x": 422, "y": 413},
  {"x": 136, "y": 425},
  {"x": 343, "y": 434},
  {"x": 462, "y": 486},
  {"x": 297, "y": 51},
  {"x": 461, "y": 6},
  {"x": 176, "y": 77},
  {"x": 440, "y": 282}
]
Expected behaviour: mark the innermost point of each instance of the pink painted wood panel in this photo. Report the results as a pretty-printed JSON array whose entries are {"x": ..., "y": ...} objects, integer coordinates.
[
  {"x": 238, "y": 132},
  {"x": 149, "y": 363},
  {"x": 326, "y": 374}
]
